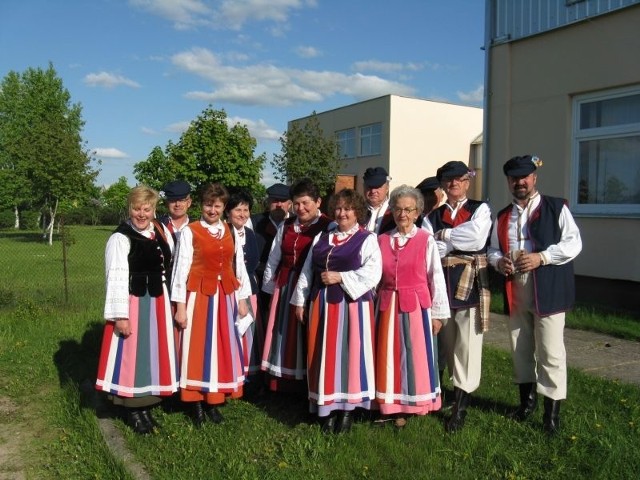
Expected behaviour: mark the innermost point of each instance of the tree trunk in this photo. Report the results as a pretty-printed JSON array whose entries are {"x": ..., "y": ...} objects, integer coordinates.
[
  {"x": 52, "y": 213},
  {"x": 16, "y": 225}
]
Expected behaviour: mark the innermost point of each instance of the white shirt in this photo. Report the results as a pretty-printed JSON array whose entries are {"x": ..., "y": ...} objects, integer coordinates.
[
  {"x": 184, "y": 257},
  {"x": 373, "y": 225},
  {"x": 435, "y": 275},
  {"x": 116, "y": 304},
  {"x": 568, "y": 248},
  {"x": 355, "y": 283}
]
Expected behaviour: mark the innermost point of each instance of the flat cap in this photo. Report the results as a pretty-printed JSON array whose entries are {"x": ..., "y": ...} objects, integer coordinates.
[
  {"x": 451, "y": 169},
  {"x": 375, "y": 177},
  {"x": 278, "y": 191},
  {"x": 176, "y": 190},
  {"x": 521, "y": 166},
  {"x": 428, "y": 184}
]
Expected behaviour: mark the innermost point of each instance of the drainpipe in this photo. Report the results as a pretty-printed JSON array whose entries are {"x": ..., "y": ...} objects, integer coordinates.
[{"x": 489, "y": 8}]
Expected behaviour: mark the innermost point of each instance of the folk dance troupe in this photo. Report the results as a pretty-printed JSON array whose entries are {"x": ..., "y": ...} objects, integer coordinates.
[{"x": 359, "y": 310}]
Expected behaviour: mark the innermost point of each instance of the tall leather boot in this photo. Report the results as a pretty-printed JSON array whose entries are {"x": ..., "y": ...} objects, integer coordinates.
[
  {"x": 528, "y": 402},
  {"x": 459, "y": 411},
  {"x": 197, "y": 414},
  {"x": 551, "y": 419},
  {"x": 446, "y": 400}
]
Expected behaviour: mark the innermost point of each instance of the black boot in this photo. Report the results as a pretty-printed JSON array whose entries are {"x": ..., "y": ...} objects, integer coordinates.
[
  {"x": 329, "y": 422},
  {"x": 151, "y": 421},
  {"x": 137, "y": 422},
  {"x": 214, "y": 414},
  {"x": 345, "y": 420},
  {"x": 446, "y": 401},
  {"x": 197, "y": 414},
  {"x": 459, "y": 411},
  {"x": 528, "y": 402},
  {"x": 550, "y": 419}
]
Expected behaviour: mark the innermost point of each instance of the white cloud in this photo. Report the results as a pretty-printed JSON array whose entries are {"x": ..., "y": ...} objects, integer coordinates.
[
  {"x": 259, "y": 129},
  {"x": 475, "y": 96},
  {"x": 108, "y": 80},
  {"x": 109, "y": 153},
  {"x": 307, "y": 52},
  {"x": 231, "y": 14},
  {"x": 148, "y": 131},
  {"x": 385, "y": 67},
  {"x": 265, "y": 84},
  {"x": 178, "y": 127}
]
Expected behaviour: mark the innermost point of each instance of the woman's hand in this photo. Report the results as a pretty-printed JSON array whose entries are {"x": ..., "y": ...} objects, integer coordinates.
[
  {"x": 181, "y": 315},
  {"x": 330, "y": 278},
  {"x": 243, "y": 307},
  {"x": 436, "y": 325},
  {"x": 123, "y": 327},
  {"x": 300, "y": 314}
]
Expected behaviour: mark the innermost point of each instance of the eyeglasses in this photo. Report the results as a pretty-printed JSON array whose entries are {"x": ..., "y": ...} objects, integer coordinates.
[
  {"x": 455, "y": 179},
  {"x": 407, "y": 211}
]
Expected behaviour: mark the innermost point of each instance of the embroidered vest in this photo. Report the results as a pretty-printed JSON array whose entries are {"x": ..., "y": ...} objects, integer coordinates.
[{"x": 404, "y": 271}]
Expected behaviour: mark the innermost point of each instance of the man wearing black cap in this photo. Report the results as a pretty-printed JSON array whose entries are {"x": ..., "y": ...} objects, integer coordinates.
[
  {"x": 461, "y": 227},
  {"x": 177, "y": 196},
  {"x": 533, "y": 244},
  {"x": 265, "y": 225},
  {"x": 433, "y": 195},
  {"x": 376, "y": 190}
]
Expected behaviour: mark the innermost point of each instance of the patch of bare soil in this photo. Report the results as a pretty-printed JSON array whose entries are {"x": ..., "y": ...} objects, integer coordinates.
[{"x": 13, "y": 436}]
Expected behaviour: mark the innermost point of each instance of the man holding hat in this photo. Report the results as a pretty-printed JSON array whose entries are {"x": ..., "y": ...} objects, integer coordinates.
[
  {"x": 265, "y": 225},
  {"x": 533, "y": 244},
  {"x": 177, "y": 196},
  {"x": 461, "y": 227},
  {"x": 376, "y": 192}
]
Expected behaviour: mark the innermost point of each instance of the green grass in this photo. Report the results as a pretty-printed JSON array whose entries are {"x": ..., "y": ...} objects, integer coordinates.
[{"x": 48, "y": 355}]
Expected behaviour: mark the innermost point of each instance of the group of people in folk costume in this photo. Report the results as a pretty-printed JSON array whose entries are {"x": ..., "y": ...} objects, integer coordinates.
[{"x": 362, "y": 309}]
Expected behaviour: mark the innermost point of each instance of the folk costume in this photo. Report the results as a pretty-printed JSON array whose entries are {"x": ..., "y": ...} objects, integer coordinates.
[
  {"x": 143, "y": 366},
  {"x": 411, "y": 293},
  {"x": 285, "y": 351},
  {"x": 205, "y": 280},
  {"x": 341, "y": 324}
]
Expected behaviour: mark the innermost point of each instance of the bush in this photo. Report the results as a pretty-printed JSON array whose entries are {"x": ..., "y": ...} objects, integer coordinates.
[
  {"x": 7, "y": 219},
  {"x": 29, "y": 220}
]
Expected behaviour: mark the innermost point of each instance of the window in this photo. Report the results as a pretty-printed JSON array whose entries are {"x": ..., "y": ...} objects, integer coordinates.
[
  {"x": 346, "y": 140},
  {"x": 370, "y": 139},
  {"x": 607, "y": 153}
]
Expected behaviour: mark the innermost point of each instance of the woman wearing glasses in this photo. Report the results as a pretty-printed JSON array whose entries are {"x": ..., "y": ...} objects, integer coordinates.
[
  {"x": 339, "y": 277},
  {"x": 411, "y": 306}
]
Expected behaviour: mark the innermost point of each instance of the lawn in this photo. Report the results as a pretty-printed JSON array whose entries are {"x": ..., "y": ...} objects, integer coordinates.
[{"x": 48, "y": 352}]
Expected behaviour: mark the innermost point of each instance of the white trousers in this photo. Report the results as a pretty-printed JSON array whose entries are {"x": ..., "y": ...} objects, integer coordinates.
[
  {"x": 461, "y": 349},
  {"x": 537, "y": 344}
]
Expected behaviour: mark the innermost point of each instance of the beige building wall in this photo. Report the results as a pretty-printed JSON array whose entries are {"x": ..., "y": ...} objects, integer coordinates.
[
  {"x": 532, "y": 83},
  {"x": 417, "y": 135}
]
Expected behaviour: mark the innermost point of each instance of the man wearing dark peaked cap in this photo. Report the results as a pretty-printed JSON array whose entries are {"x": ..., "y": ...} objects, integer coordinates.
[
  {"x": 533, "y": 244},
  {"x": 177, "y": 197},
  {"x": 461, "y": 227},
  {"x": 376, "y": 192}
]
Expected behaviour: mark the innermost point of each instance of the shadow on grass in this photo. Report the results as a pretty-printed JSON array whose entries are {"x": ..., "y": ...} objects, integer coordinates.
[{"x": 27, "y": 237}]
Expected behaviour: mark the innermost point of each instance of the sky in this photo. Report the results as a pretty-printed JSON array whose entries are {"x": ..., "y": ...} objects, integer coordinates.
[{"x": 142, "y": 70}]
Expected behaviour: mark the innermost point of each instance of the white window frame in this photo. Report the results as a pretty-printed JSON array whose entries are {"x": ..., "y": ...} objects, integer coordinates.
[
  {"x": 369, "y": 138},
  {"x": 347, "y": 138},
  {"x": 600, "y": 133}
]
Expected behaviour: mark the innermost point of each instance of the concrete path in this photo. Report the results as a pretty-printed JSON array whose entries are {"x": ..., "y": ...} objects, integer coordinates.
[{"x": 593, "y": 353}]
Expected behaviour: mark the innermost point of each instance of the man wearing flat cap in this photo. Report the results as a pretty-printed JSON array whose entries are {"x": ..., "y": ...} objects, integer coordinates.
[
  {"x": 461, "y": 227},
  {"x": 265, "y": 225},
  {"x": 533, "y": 244},
  {"x": 376, "y": 192},
  {"x": 433, "y": 196},
  {"x": 177, "y": 197}
]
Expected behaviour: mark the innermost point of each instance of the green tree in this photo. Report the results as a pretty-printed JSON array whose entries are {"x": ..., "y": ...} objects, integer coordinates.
[
  {"x": 208, "y": 151},
  {"x": 307, "y": 152},
  {"x": 114, "y": 197},
  {"x": 41, "y": 143}
]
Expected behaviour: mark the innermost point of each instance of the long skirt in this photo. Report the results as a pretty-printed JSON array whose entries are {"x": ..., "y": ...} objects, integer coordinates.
[
  {"x": 253, "y": 340},
  {"x": 407, "y": 378},
  {"x": 144, "y": 363},
  {"x": 340, "y": 358},
  {"x": 285, "y": 338},
  {"x": 211, "y": 351}
]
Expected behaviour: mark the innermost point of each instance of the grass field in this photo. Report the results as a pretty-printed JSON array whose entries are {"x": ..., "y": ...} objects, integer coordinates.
[{"x": 48, "y": 355}]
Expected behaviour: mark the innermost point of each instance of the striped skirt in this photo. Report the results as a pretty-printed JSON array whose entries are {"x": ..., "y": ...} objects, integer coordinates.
[
  {"x": 253, "y": 340},
  {"x": 340, "y": 360},
  {"x": 210, "y": 348},
  {"x": 144, "y": 363},
  {"x": 284, "y": 353},
  {"x": 406, "y": 362}
]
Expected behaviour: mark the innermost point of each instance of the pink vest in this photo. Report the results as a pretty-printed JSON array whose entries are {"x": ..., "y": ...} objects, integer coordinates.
[{"x": 404, "y": 271}]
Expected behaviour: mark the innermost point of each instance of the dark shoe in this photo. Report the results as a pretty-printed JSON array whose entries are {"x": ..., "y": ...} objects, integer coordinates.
[
  {"x": 214, "y": 414},
  {"x": 551, "y": 419},
  {"x": 458, "y": 412},
  {"x": 148, "y": 418},
  {"x": 345, "y": 421},
  {"x": 137, "y": 423},
  {"x": 528, "y": 402},
  {"x": 329, "y": 423},
  {"x": 197, "y": 414}
]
